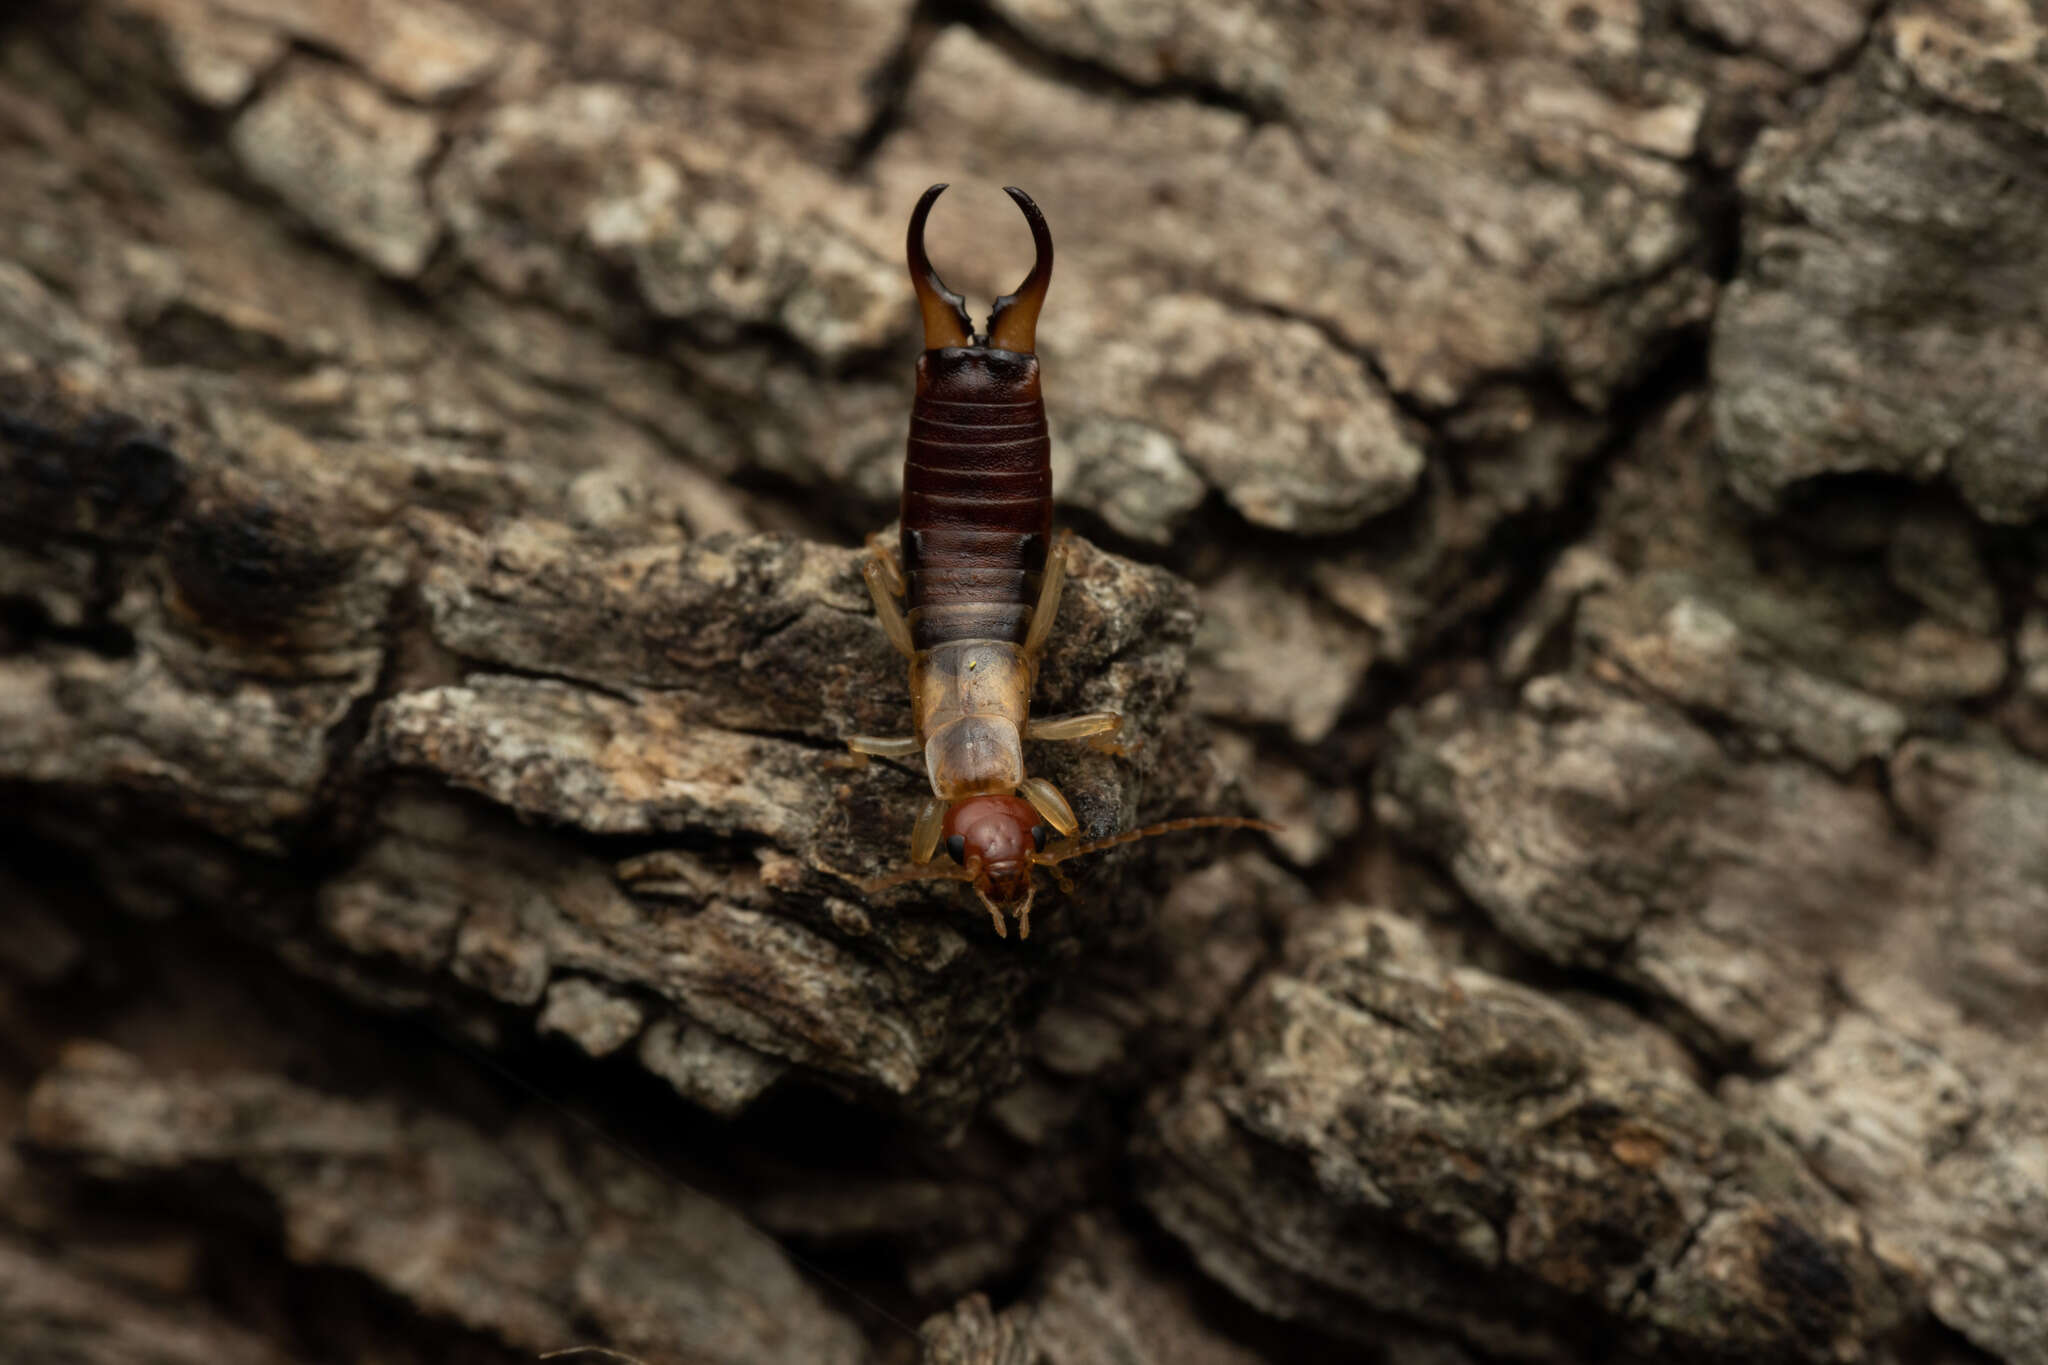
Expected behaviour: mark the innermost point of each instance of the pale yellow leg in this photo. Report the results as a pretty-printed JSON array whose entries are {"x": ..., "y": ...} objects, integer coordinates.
[
  {"x": 924, "y": 835},
  {"x": 885, "y": 585},
  {"x": 877, "y": 571},
  {"x": 1049, "y": 587},
  {"x": 884, "y": 748},
  {"x": 892, "y": 572},
  {"x": 1094, "y": 726},
  {"x": 1045, "y": 798},
  {"x": 1088, "y": 725},
  {"x": 1079, "y": 726}
]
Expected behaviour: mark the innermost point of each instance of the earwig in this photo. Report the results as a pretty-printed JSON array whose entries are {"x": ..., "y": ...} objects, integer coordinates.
[{"x": 981, "y": 575}]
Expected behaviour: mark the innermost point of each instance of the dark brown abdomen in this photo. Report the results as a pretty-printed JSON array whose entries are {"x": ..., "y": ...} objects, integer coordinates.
[{"x": 977, "y": 496}]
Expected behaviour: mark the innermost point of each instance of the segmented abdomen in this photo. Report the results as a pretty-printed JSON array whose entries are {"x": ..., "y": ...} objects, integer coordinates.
[{"x": 977, "y": 496}]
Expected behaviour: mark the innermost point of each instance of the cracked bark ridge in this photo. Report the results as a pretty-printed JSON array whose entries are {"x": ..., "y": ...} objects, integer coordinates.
[
  {"x": 349, "y": 160},
  {"x": 525, "y": 1233},
  {"x": 1099, "y": 1302},
  {"x": 1241, "y": 138},
  {"x": 1528, "y": 216},
  {"x": 1331, "y": 452},
  {"x": 242, "y": 644},
  {"x": 223, "y": 626},
  {"x": 970, "y": 1333},
  {"x": 1809, "y": 39},
  {"x": 416, "y": 422},
  {"x": 1607, "y": 833},
  {"x": 1381, "y": 1131},
  {"x": 594, "y": 182},
  {"x": 1889, "y": 314},
  {"x": 1662, "y": 811},
  {"x": 54, "y": 1313}
]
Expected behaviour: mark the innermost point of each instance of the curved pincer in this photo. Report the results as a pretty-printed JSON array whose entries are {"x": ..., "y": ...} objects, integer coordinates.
[
  {"x": 945, "y": 312},
  {"x": 1013, "y": 325}
]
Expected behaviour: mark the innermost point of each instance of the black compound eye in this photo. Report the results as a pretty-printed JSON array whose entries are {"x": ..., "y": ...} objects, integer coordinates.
[
  {"x": 1039, "y": 834},
  {"x": 957, "y": 846}
]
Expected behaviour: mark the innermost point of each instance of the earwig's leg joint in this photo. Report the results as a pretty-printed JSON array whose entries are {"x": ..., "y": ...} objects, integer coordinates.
[
  {"x": 876, "y": 572},
  {"x": 885, "y": 555},
  {"x": 1045, "y": 798}
]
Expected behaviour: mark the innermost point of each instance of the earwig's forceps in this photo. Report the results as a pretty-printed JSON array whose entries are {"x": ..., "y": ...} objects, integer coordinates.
[
  {"x": 945, "y": 312},
  {"x": 1013, "y": 323}
]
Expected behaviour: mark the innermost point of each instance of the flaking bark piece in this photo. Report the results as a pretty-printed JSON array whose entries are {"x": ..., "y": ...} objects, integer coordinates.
[{"x": 532, "y": 1233}]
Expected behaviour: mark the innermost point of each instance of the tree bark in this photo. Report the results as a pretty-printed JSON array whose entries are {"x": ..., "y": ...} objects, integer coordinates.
[{"x": 1577, "y": 469}]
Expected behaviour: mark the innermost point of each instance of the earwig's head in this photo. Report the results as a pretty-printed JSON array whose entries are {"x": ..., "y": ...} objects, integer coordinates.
[
  {"x": 994, "y": 838},
  {"x": 1013, "y": 325},
  {"x": 998, "y": 840}
]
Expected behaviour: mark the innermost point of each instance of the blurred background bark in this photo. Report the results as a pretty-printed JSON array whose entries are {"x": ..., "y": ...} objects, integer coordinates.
[{"x": 1578, "y": 466}]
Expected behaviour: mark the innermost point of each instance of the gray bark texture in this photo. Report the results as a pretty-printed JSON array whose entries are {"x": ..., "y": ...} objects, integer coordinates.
[{"x": 1579, "y": 468}]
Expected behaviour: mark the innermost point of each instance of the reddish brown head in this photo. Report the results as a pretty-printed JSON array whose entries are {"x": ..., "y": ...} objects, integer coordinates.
[
  {"x": 996, "y": 841},
  {"x": 993, "y": 837}
]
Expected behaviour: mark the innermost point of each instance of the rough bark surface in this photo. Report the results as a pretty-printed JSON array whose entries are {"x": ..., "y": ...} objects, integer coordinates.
[{"x": 1577, "y": 466}]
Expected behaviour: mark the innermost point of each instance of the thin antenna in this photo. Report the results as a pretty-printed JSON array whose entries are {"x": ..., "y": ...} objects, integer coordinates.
[
  {"x": 1064, "y": 852},
  {"x": 915, "y": 873}
]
